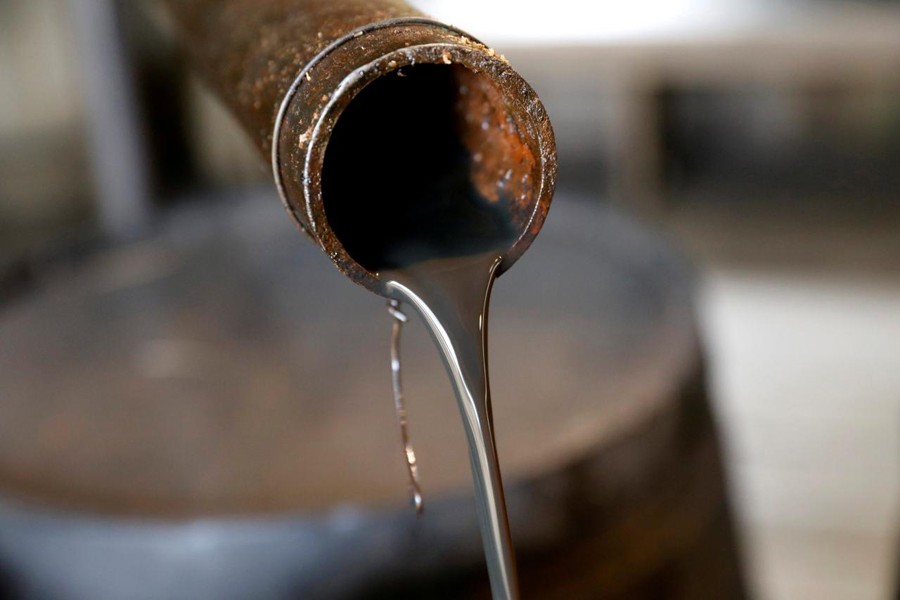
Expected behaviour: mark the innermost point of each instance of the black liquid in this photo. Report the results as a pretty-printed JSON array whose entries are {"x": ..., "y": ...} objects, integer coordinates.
[
  {"x": 452, "y": 296},
  {"x": 398, "y": 193}
]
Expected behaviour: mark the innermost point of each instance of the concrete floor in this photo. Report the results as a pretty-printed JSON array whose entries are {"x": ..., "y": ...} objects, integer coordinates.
[{"x": 801, "y": 313}]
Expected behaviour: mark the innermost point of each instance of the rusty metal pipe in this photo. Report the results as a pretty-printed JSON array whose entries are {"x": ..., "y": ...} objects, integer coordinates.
[{"x": 290, "y": 70}]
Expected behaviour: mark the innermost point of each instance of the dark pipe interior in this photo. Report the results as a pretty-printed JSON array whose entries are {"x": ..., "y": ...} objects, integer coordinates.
[{"x": 397, "y": 185}]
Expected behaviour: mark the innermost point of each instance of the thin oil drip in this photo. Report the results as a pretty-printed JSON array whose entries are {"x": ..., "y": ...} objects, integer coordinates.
[
  {"x": 412, "y": 468},
  {"x": 452, "y": 296}
]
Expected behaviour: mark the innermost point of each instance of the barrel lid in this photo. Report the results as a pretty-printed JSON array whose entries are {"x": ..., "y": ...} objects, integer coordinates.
[{"x": 223, "y": 366}]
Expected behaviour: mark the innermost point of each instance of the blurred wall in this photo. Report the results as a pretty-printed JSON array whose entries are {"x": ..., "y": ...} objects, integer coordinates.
[{"x": 43, "y": 163}]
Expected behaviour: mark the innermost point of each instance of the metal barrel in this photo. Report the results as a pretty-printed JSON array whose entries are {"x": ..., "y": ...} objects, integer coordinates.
[{"x": 439, "y": 106}]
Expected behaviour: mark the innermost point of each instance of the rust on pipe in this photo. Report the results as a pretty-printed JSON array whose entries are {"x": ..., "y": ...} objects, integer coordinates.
[{"x": 366, "y": 107}]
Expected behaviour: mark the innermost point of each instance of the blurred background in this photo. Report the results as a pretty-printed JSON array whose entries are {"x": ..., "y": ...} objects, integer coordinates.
[{"x": 762, "y": 138}]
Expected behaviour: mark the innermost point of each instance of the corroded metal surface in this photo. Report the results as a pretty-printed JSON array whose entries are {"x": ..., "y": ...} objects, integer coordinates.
[
  {"x": 288, "y": 69},
  {"x": 250, "y": 51}
]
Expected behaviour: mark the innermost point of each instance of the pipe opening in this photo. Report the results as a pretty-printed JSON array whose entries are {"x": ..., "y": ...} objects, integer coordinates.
[{"x": 429, "y": 161}]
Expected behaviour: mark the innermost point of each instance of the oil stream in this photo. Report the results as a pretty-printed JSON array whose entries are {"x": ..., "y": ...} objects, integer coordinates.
[{"x": 452, "y": 295}]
